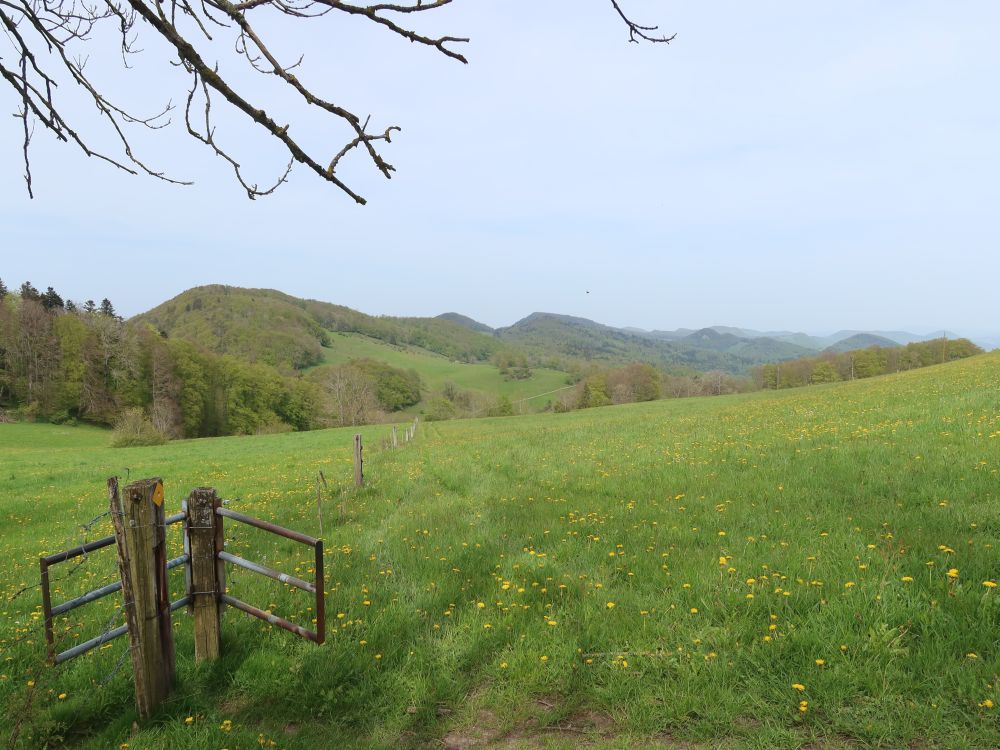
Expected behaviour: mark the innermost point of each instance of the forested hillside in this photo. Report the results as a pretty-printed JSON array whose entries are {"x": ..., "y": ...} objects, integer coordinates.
[
  {"x": 564, "y": 337},
  {"x": 231, "y": 320},
  {"x": 832, "y": 366}
]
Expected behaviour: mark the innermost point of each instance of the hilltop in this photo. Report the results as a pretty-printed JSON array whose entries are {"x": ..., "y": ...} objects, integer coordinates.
[
  {"x": 860, "y": 341},
  {"x": 287, "y": 332}
]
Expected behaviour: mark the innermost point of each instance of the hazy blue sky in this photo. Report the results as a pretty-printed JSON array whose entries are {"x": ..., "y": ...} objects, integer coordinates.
[{"x": 810, "y": 166}]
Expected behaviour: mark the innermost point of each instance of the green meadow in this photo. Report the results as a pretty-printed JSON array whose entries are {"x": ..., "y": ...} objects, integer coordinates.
[
  {"x": 806, "y": 568},
  {"x": 436, "y": 370}
]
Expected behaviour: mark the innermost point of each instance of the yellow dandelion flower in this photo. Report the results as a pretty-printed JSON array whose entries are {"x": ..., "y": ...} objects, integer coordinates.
[
  {"x": 798, "y": 686},
  {"x": 610, "y": 605},
  {"x": 952, "y": 573},
  {"x": 694, "y": 610},
  {"x": 990, "y": 584},
  {"x": 820, "y": 662}
]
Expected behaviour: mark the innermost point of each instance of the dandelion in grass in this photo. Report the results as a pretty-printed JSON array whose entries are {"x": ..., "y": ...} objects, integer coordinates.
[
  {"x": 798, "y": 686},
  {"x": 952, "y": 573},
  {"x": 990, "y": 584},
  {"x": 226, "y": 726}
]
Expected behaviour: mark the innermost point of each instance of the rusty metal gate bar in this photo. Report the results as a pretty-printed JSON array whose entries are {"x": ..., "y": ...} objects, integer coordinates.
[
  {"x": 319, "y": 636},
  {"x": 50, "y": 612}
]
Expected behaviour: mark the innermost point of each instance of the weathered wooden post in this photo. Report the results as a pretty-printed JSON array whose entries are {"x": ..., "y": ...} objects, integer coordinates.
[
  {"x": 201, "y": 530},
  {"x": 359, "y": 475},
  {"x": 394, "y": 441},
  {"x": 140, "y": 532}
]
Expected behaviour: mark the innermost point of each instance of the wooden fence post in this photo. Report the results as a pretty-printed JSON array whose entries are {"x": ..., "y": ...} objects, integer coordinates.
[
  {"x": 394, "y": 442},
  {"x": 200, "y": 528},
  {"x": 140, "y": 532},
  {"x": 359, "y": 475}
]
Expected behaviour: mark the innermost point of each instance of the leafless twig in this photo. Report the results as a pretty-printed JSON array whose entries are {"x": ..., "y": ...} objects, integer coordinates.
[{"x": 49, "y": 37}]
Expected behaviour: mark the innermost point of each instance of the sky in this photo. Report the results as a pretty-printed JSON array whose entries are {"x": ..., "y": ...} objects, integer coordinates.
[{"x": 780, "y": 165}]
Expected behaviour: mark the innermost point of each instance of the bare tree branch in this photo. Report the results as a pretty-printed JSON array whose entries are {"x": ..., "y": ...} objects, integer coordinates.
[
  {"x": 48, "y": 38},
  {"x": 637, "y": 31}
]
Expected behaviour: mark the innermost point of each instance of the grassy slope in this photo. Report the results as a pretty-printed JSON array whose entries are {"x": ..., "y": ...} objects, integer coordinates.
[
  {"x": 710, "y": 524},
  {"x": 436, "y": 370}
]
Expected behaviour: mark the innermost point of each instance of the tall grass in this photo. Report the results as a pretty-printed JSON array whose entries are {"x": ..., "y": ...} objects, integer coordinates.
[{"x": 770, "y": 570}]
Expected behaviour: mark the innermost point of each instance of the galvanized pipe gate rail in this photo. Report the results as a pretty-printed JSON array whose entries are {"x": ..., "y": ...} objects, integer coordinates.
[
  {"x": 50, "y": 612},
  {"x": 316, "y": 589},
  {"x": 140, "y": 537}
]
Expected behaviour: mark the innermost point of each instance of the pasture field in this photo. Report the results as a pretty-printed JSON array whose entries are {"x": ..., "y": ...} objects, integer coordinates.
[
  {"x": 810, "y": 568},
  {"x": 436, "y": 370}
]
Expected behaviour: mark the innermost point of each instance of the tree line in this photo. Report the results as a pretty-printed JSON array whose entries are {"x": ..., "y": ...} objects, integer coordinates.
[
  {"x": 64, "y": 362},
  {"x": 831, "y": 367},
  {"x": 643, "y": 382}
]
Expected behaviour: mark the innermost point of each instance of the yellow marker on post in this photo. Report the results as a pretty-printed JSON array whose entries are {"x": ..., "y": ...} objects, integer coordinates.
[{"x": 158, "y": 495}]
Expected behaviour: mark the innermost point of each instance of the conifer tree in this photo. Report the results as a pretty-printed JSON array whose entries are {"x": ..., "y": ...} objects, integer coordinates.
[{"x": 51, "y": 300}]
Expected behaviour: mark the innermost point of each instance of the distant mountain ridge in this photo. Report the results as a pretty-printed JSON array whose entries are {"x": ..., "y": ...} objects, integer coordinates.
[
  {"x": 265, "y": 325},
  {"x": 806, "y": 340},
  {"x": 860, "y": 341}
]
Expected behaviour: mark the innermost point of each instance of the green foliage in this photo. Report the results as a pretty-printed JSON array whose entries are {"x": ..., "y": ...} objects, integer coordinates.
[
  {"x": 134, "y": 428},
  {"x": 502, "y": 408},
  {"x": 395, "y": 389},
  {"x": 513, "y": 365},
  {"x": 545, "y": 336},
  {"x": 289, "y": 333},
  {"x": 440, "y": 408},
  {"x": 824, "y": 372},
  {"x": 832, "y": 366},
  {"x": 435, "y": 370}
]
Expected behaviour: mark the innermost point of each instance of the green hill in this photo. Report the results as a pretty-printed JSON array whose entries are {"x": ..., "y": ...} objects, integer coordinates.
[
  {"x": 268, "y": 326},
  {"x": 467, "y": 322},
  {"x": 435, "y": 371},
  {"x": 860, "y": 341},
  {"x": 551, "y": 335}
]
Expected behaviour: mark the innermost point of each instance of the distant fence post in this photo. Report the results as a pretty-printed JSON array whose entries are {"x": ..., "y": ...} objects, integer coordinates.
[
  {"x": 201, "y": 530},
  {"x": 140, "y": 532},
  {"x": 359, "y": 475},
  {"x": 394, "y": 440}
]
